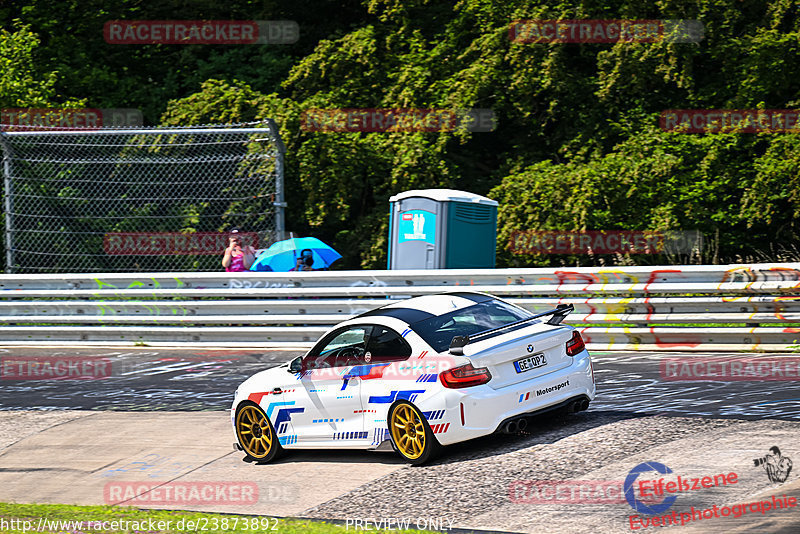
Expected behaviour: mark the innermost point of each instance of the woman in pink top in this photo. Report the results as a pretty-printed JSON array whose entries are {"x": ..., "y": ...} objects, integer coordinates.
[{"x": 236, "y": 258}]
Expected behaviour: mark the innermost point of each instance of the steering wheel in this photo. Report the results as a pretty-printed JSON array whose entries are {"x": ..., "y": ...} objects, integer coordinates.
[{"x": 345, "y": 355}]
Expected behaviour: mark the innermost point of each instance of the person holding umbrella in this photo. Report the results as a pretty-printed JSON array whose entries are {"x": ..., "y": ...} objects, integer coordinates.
[
  {"x": 296, "y": 254},
  {"x": 305, "y": 262},
  {"x": 236, "y": 258}
]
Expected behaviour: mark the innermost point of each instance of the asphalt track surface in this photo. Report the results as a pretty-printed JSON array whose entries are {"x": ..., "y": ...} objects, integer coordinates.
[
  {"x": 188, "y": 380},
  {"x": 159, "y": 414}
]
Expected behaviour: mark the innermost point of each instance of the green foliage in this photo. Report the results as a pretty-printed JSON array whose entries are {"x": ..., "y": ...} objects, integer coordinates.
[
  {"x": 20, "y": 83},
  {"x": 652, "y": 181},
  {"x": 576, "y": 146},
  {"x": 774, "y": 197}
]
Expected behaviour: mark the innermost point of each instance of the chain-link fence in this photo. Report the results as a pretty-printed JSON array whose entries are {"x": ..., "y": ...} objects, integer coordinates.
[{"x": 145, "y": 199}]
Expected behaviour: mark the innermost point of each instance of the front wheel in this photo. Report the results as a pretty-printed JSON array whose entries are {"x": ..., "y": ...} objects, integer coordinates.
[
  {"x": 412, "y": 435},
  {"x": 255, "y": 433}
]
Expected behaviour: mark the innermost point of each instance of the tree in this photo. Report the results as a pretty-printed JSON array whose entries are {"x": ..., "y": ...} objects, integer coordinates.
[{"x": 21, "y": 84}]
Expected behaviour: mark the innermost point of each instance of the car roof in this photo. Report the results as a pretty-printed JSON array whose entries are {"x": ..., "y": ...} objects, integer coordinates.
[{"x": 424, "y": 307}]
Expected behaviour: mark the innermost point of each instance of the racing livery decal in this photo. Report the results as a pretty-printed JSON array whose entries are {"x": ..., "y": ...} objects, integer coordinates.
[
  {"x": 379, "y": 435},
  {"x": 256, "y": 397},
  {"x": 364, "y": 372},
  {"x": 288, "y": 440},
  {"x": 350, "y": 435},
  {"x": 281, "y": 422},
  {"x": 433, "y": 415},
  {"x": 409, "y": 395}
]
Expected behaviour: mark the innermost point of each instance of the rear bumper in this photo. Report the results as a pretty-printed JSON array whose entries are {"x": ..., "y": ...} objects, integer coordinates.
[
  {"x": 566, "y": 404},
  {"x": 485, "y": 409}
]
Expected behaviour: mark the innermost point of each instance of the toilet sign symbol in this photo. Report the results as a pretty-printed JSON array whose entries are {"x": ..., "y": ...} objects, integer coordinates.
[{"x": 419, "y": 224}]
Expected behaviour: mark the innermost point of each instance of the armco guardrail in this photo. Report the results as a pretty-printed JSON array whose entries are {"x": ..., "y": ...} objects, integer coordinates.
[{"x": 730, "y": 307}]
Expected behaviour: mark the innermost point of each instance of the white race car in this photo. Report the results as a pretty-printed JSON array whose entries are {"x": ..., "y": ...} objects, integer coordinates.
[{"x": 415, "y": 375}]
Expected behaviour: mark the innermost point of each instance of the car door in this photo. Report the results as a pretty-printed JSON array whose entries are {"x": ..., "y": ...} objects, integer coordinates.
[
  {"x": 385, "y": 379},
  {"x": 330, "y": 396}
]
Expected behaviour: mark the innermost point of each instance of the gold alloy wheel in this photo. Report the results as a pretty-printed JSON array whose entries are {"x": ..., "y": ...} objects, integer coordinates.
[
  {"x": 254, "y": 431},
  {"x": 408, "y": 432}
]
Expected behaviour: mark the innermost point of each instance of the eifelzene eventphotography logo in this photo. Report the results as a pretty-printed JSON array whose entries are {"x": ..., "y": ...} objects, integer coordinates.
[
  {"x": 777, "y": 466},
  {"x": 652, "y": 497}
]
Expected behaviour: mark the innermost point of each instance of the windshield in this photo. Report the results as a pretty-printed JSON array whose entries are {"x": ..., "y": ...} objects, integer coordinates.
[{"x": 439, "y": 331}]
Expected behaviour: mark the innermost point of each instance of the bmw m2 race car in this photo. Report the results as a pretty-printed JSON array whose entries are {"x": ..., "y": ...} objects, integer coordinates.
[{"x": 416, "y": 375}]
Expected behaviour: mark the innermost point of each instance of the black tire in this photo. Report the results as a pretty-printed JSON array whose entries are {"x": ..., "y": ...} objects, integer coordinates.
[
  {"x": 411, "y": 434},
  {"x": 255, "y": 433}
]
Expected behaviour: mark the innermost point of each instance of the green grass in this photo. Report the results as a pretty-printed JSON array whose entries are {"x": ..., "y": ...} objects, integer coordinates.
[{"x": 13, "y": 518}]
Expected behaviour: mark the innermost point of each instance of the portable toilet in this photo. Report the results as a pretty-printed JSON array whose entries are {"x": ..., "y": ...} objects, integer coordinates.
[{"x": 442, "y": 229}]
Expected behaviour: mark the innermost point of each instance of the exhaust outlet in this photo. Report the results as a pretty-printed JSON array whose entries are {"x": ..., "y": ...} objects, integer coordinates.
[
  {"x": 584, "y": 405},
  {"x": 522, "y": 424},
  {"x": 511, "y": 427}
]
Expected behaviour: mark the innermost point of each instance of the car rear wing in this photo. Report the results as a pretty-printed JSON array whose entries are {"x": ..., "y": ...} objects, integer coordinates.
[{"x": 558, "y": 314}]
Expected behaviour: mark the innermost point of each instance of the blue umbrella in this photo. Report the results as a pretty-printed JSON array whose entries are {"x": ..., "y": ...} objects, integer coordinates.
[{"x": 282, "y": 256}]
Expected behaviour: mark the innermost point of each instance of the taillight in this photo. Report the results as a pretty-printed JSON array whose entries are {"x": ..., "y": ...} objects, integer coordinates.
[
  {"x": 464, "y": 376},
  {"x": 575, "y": 345}
]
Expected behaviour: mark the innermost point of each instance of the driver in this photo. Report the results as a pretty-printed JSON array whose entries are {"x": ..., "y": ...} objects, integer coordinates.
[{"x": 341, "y": 357}]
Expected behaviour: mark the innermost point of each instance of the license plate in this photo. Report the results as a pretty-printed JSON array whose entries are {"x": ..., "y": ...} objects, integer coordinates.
[{"x": 531, "y": 362}]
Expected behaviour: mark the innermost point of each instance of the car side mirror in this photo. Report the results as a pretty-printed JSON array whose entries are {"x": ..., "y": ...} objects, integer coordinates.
[{"x": 296, "y": 365}]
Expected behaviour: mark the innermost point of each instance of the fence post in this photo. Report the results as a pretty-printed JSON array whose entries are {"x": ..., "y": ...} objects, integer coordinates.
[
  {"x": 280, "y": 203},
  {"x": 8, "y": 202}
]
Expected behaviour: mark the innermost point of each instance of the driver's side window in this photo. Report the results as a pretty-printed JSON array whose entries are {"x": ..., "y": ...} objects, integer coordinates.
[{"x": 346, "y": 347}]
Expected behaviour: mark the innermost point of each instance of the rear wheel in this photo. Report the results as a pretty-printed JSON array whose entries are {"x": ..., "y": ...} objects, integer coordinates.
[
  {"x": 411, "y": 434},
  {"x": 255, "y": 433}
]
